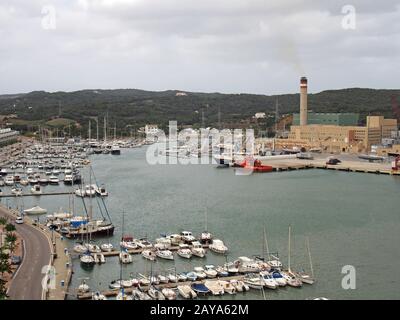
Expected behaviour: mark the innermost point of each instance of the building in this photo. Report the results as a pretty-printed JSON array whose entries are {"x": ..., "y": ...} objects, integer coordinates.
[
  {"x": 337, "y": 119},
  {"x": 260, "y": 115},
  {"x": 8, "y": 136},
  {"x": 384, "y": 151}
]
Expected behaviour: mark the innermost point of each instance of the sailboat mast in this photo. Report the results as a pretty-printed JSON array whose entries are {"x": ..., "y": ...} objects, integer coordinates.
[
  {"x": 289, "y": 249},
  {"x": 206, "y": 222},
  {"x": 90, "y": 194},
  {"x": 266, "y": 244},
  {"x": 309, "y": 256}
]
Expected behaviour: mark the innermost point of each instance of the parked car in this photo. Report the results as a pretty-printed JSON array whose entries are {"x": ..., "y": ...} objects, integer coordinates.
[
  {"x": 333, "y": 161},
  {"x": 19, "y": 220}
]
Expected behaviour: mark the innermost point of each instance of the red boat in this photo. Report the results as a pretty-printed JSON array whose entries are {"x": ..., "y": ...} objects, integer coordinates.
[{"x": 257, "y": 166}]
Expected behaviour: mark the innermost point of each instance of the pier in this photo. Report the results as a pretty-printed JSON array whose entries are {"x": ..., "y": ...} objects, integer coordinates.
[{"x": 37, "y": 195}]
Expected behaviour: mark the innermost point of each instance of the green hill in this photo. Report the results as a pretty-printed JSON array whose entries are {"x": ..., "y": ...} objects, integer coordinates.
[{"x": 135, "y": 108}]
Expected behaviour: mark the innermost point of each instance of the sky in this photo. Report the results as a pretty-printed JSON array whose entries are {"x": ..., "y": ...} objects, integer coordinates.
[{"x": 228, "y": 46}]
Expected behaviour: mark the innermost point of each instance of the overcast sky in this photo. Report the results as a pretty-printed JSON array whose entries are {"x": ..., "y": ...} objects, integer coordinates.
[{"x": 230, "y": 46}]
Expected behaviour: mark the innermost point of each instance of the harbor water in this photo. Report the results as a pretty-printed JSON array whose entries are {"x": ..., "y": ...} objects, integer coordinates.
[{"x": 350, "y": 218}]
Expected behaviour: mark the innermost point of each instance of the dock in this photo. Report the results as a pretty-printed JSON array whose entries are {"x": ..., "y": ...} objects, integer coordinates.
[
  {"x": 37, "y": 195},
  {"x": 345, "y": 166},
  {"x": 113, "y": 293}
]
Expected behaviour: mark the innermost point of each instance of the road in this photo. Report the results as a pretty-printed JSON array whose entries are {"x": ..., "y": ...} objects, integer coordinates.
[{"x": 27, "y": 283}]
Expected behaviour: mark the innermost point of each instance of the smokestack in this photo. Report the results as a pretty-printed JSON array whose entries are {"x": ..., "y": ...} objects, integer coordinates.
[{"x": 303, "y": 101}]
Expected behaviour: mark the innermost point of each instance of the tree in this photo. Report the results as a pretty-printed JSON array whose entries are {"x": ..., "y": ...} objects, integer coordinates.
[
  {"x": 3, "y": 289},
  {"x": 3, "y": 221},
  {"x": 11, "y": 238},
  {"x": 10, "y": 227}
]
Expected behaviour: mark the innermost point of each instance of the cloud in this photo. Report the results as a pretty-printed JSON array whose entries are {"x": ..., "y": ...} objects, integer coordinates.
[{"x": 229, "y": 46}]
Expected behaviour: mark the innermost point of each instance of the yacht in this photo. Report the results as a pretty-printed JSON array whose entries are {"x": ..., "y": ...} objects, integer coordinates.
[
  {"x": 115, "y": 150},
  {"x": 43, "y": 181},
  {"x": 9, "y": 181},
  {"x": 279, "y": 279},
  {"x": 127, "y": 242},
  {"x": 187, "y": 236},
  {"x": 247, "y": 265},
  {"x": 165, "y": 254},
  {"x": 68, "y": 179},
  {"x": 106, "y": 247},
  {"x": 291, "y": 279},
  {"x": 101, "y": 191},
  {"x": 218, "y": 246},
  {"x": 184, "y": 251},
  {"x": 87, "y": 260},
  {"x": 254, "y": 281},
  {"x": 210, "y": 271},
  {"x": 215, "y": 287},
  {"x": 269, "y": 281},
  {"x": 198, "y": 250},
  {"x": 222, "y": 271},
  {"x": 83, "y": 287},
  {"x": 227, "y": 286}
]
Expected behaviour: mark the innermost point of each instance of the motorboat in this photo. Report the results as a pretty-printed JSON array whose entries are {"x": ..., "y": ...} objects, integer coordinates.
[
  {"x": 98, "y": 296},
  {"x": 125, "y": 257},
  {"x": 198, "y": 250},
  {"x": 43, "y": 181},
  {"x": 218, "y": 246},
  {"x": 269, "y": 281},
  {"x": 163, "y": 279},
  {"x": 17, "y": 191},
  {"x": 222, "y": 271},
  {"x": 247, "y": 265},
  {"x": 68, "y": 179},
  {"x": 172, "y": 278},
  {"x": 182, "y": 277},
  {"x": 144, "y": 281},
  {"x": 165, "y": 254},
  {"x": 127, "y": 242},
  {"x": 9, "y": 181},
  {"x": 231, "y": 268},
  {"x": 187, "y": 292},
  {"x": 155, "y": 294},
  {"x": 187, "y": 236},
  {"x": 254, "y": 281},
  {"x": 206, "y": 237},
  {"x": 36, "y": 189},
  {"x": 210, "y": 271},
  {"x": 227, "y": 286},
  {"x": 191, "y": 276},
  {"x": 80, "y": 192},
  {"x": 169, "y": 294},
  {"x": 200, "y": 288},
  {"x": 162, "y": 243},
  {"x": 35, "y": 210},
  {"x": 140, "y": 295},
  {"x": 149, "y": 254},
  {"x": 184, "y": 251},
  {"x": 115, "y": 150},
  {"x": 143, "y": 243},
  {"x": 239, "y": 285},
  {"x": 106, "y": 247},
  {"x": 101, "y": 191},
  {"x": 199, "y": 271},
  {"x": 93, "y": 248},
  {"x": 279, "y": 279},
  {"x": 175, "y": 239},
  {"x": 24, "y": 182},
  {"x": 54, "y": 180},
  {"x": 117, "y": 284}
]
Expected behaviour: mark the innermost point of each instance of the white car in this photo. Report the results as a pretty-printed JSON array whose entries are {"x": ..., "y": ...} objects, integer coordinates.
[{"x": 19, "y": 220}]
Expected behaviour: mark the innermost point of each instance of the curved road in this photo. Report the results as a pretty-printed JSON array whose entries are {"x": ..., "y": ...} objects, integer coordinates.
[{"x": 27, "y": 283}]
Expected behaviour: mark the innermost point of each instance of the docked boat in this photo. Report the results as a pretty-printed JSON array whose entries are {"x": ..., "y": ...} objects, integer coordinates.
[
  {"x": 123, "y": 296},
  {"x": 269, "y": 281},
  {"x": 228, "y": 287},
  {"x": 24, "y": 182},
  {"x": 149, "y": 254},
  {"x": 155, "y": 294},
  {"x": 200, "y": 288},
  {"x": 125, "y": 257},
  {"x": 218, "y": 246},
  {"x": 93, "y": 248},
  {"x": 210, "y": 271},
  {"x": 215, "y": 287},
  {"x": 143, "y": 243},
  {"x": 184, "y": 251},
  {"x": 106, "y": 247},
  {"x": 163, "y": 279},
  {"x": 187, "y": 237},
  {"x": 36, "y": 189},
  {"x": 115, "y": 150},
  {"x": 35, "y": 210},
  {"x": 68, "y": 179},
  {"x": 9, "y": 181},
  {"x": 279, "y": 279},
  {"x": 247, "y": 265},
  {"x": 87, "y": 260},
  {"x": 187, "y": 292},
  {"x": 127, "y": 242},
  {"x": 172, "y": 278},
  {"x": 199, "y": 271},
  {"x": 232, "y": 268},
  {"x": 43, "y": 181},
  {"x": 198, "y": 250},
  {"x": 118, "y": 284},
  {"x": 162, "y": 243},
  {"x": 254, "y": 281},
  {"x": 140, "y": 295},
  {"x": 83, "y": 287},
  {"x": 54, "y": 180},
  {"x": 101, "y": 191},
  {"x": 191, "y": 276},
  {"x": 165, "y": 254},
  {"x": 90, "y": 190},
  {"x": 98, "y": 296},
  {"x": 17, "y": 191},
  {"x": 222, "y": 271},
  {"x": 80, "y": 248},
  {"x": 291, "y": 279}
]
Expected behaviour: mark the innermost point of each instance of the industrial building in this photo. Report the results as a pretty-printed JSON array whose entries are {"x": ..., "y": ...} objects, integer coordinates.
[
  {"x": 336, "y": 119},
  {"x": 339, "y": 136}
]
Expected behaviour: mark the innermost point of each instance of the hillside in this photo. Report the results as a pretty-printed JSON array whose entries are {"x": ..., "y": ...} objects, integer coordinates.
[{"x": 136, "y": 107}]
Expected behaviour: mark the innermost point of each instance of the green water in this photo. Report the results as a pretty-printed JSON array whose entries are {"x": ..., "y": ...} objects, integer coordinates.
[{"x": 350, "y": 218}]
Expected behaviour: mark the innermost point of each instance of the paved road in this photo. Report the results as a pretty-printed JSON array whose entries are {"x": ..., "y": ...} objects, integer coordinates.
[{"x": 27, "y": 284}]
